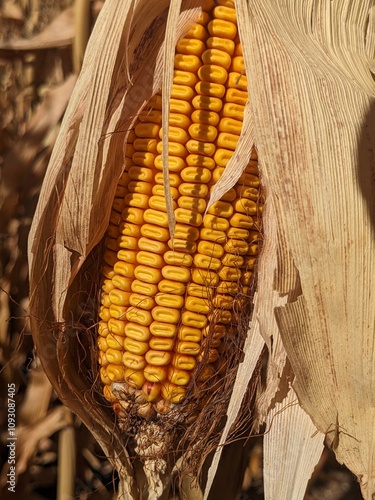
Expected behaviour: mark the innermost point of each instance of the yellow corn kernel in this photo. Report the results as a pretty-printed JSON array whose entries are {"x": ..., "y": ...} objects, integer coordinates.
[
  {"x": 211, "y": 249},
  {"x": 177, "y": 133},
  {"x": 143, "y": 288},
  {"x": 133, "y": 361},
  {"x": 245, "y": 206},
  {"x": 105, "y": 300},
  {"x": 174, "y": 287},
  {"x": 223, "y": 302},
  {"x": 232, "y": 110},
  {"x": 142, "y": 301},
  {"x": 173, "y": 393},
  {"x": 222, "y": 28},
  {"x": 124, "y": 268},
  {"x": 215, "y": 331},
  {"x": 228, "y": 287},
  {"x": 137, "y": 332},
  {"x": 193, "y": 319},
  {"x": 174, "y": 149},
  {"x": 115, "y": 341},
  {"x": 238, "y": 64},
  {"x": 177, "y": 258},
  {"x": 214, "y": 222},
  {"x": 146, "y": 145},
  {"x": 230, "y": 126},
  {"x": 128, "y": 243},
  {"x": 232, "y": 260},
  {"x": 114, "y": 356},
  {"x": 199, "y": 291},
  {"x": 213, "y": 235},
  {"x": 189, "y": 348},
  {"x": 189, "y": 334},
  {"x": 143, "y": 159},
  {"x": 152, "y": 216},
  {"x": 205, "y": 117},
  {"x": 180, "y": 106},
  {"x": 116, "y": 326},
  {"x": 185, "y": 232},
  {"x": 103, "y": 328},
  {"x": 184, "y": 362},
  {"x": 119, "y": 281},
  {"x": 247, "y": 278},
  {"x": 179, "y": 377},
  {"x": 216, "y": 57},
  {"x": 138, "y": 200},
  {"x": 237, "y": 81},
  {"x": 192, "y": 189},
  {"x": 166, "y": 314},
  {"x": 103, "y": 362},
  {"x": 174, "y": 179},
  {"x": 247, "y": 192},
  {"x": 223, "y": 44},
  {"x": 150, "y": 259},
  {"x": 107, "y": 285},
  {"x": 183, "y": 92},
  {"x": 143, "y": 174},
  {"x": 169, "y": 300},
  {"x": 192, "y": 204},
  {"x": 236, "y": 96},
  {"x": 199, "y": 160},
  {"x": 196, "y": 174},
  {"x": 159, "y": 190},
  {"x": 238, "y": 233},
  {"x": 102, "y": 344},
  {"x": 201, "y": 132},
  {"x": 134, "y": 378},
  {"x": 196, "y": 304},
  {"x": 241, "y": 221},
  {"x": 115, "y": 373},
  {"x": 161, "y": 344},
  {"x": 184, "y": 78},
  {"x": 140, "y": 316},
  {"x": 204, "y": 277},
  {"x": 249, "y": 180},
  {"x": 165, "y": 330},
  {"x": 198, "y": 147},
  {"x": 228, "y": 141},
  {"x": 155, "y": 232},
  {"x": 128, "y": 229},
  {"x": 117, "y": 312},
  {"x": 155, "y": 373},
  {"x": 186, "y": 62},
  {"x": 197, "y": 32},
  {"x": 158, "y": 358},
  {"x": 119, "y": 297},
  {"x": 208, "y": 103},
  {"x": 239, "y": 247},
  {"x": 135, "y": 346},
  {"x": 206, "y": 262},
  {"x": 133, "y": 215},
  {"x": 226, "y": 13},
  {"x": 147, "y": 130},
  {"x": 174, "y": 273},
  {"x": 210, "y": 88},
  {"x": 185, "y": 216},
  {"x": 229, "y": 273},
  {"x": 150, "y": 245},
  {"x": 104, "y": 313},
  {"x": 107, "y": 382},
  {"x": 151, "y": 390}
]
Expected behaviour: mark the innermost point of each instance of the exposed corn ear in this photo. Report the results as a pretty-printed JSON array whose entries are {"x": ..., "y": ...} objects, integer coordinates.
[{"x": 167, "y": 305}]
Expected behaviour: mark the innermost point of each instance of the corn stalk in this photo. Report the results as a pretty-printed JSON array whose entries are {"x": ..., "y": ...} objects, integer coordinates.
[{"x": 311, "y": 117}]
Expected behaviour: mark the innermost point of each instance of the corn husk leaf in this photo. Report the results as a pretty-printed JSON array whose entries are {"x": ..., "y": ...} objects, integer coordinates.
[{"x": 313, "y": 62}]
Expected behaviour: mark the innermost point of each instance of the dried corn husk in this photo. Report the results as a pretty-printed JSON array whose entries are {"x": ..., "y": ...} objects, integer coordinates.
[{"x": 309, "y": 69}]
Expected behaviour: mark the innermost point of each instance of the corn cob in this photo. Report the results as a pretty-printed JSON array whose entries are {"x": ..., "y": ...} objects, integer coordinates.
[{"x": 166, "y": 306}]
